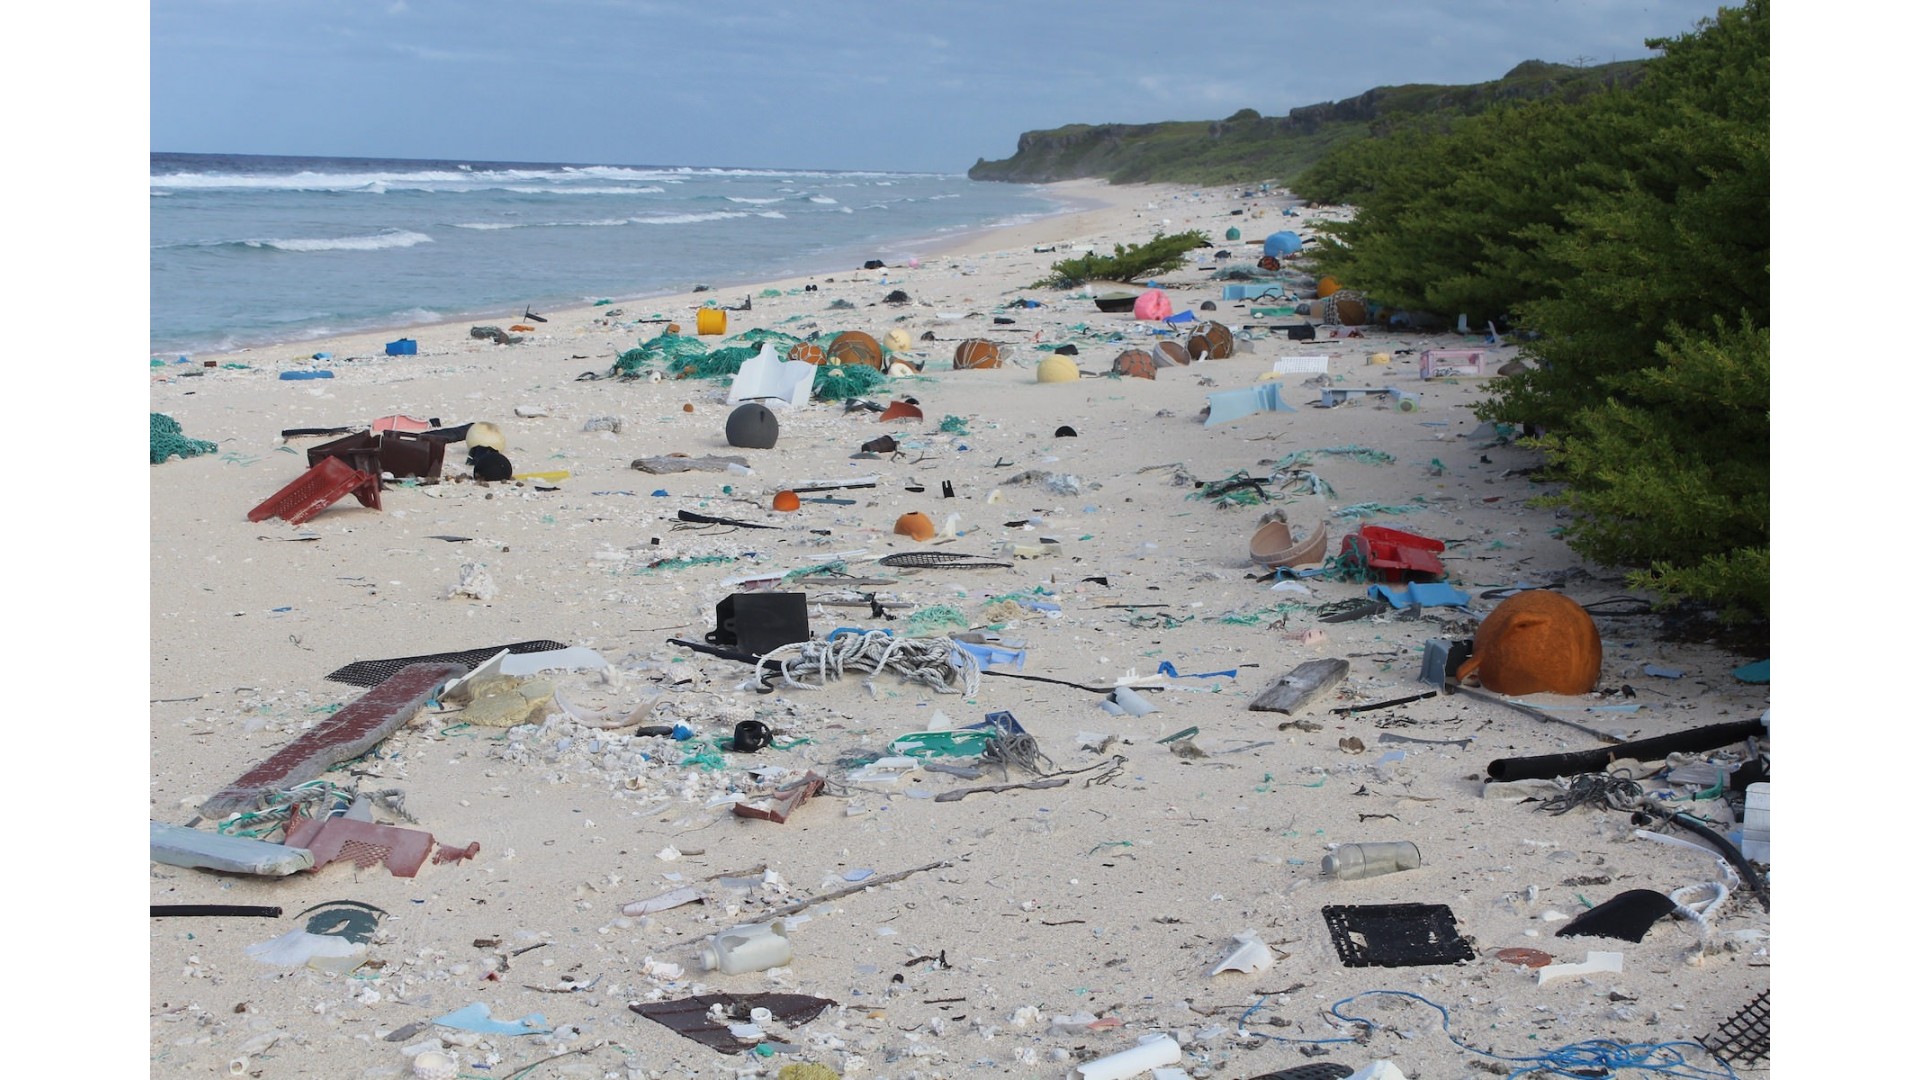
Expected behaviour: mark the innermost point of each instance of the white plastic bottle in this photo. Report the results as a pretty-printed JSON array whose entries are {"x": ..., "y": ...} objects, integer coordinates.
[{"x": 753, "y": 947}]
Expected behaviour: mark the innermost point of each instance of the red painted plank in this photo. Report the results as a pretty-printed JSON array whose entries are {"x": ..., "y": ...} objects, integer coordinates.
[{"x": 343, "y": 736}]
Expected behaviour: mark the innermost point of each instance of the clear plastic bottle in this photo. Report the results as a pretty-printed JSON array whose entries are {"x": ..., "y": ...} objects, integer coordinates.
[
  {"x": 1350, "y": 861},
  {"x": 753, "y": 947}
]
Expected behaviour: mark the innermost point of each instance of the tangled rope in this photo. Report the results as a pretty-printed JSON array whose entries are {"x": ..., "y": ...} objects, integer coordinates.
[
  {"x": 934, "y": 661},
  {"x": 1593, "y": 1057},
  {"x": 1615, "y": 791}
]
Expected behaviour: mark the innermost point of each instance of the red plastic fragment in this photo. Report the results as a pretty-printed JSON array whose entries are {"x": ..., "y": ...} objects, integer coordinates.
[
  {"x": 343, "y": 736},
  {"x": 784, "y": 800},
  {"x": 448, "y": 853},
  {"x": 1394, "y": 555},
  {"x": 363, "y": 843},
  {"x": 318, "y": 488}
]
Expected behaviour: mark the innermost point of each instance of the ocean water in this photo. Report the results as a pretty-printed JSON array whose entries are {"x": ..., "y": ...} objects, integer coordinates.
[{"x": 250, "y": 250}]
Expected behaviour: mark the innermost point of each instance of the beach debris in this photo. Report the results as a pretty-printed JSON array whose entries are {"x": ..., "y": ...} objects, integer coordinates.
[
  {"x": 478, "y": 1017},
  {"x": 370, "y": 673},
  {"x": 783, "y": 801},
  {"x": 753, "y": 425},
  {"x": 494, "y": 334},
  {"x": 1596, "y": 963},
  {"x": 319, "y": 487},
  {"x": 1626, "y": 917},
  {"x": 177, "y": 845},
  {"x": 1395, "y": 935},
  {"x": 1538, "y": 641},
  {"x": 766, "y": 377},
  {"x": 165, "y": 440},
  {"x": 366, "y": 843},
  {"x": 679, "y": 463},
  {"x": 759, "y": 622},
  {"x": 489, "y": 464},
  {"x": 708, "y": 1019},
  {"x": 666, "y": 901},
  {"x": 1349, "y": 862},
  {"x": 474, "y": 583},
  {"x": 345, "y": 735},
  {"x": 751, "y": 947},
  {"x": 1155, "y": 1051},
  {"x": 1227, "y": 405},
  {"x": 1249, "y": 954},
  {"x": 1297, "y": 690}
]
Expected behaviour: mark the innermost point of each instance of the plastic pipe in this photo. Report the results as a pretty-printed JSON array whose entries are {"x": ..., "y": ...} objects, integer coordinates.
[
  {"x": 1153, "y": 1052},
  {"x": 1721, "y": 844},
  {"x": 1548, "y": 766}
]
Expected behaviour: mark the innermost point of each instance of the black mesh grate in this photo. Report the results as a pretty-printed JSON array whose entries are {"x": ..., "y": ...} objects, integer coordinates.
[
  {"x": 375, "y": 672},
  {"x": 1395, "y": 935},
  {"x": 927, "y": 560},
  {"x": 1742, "y": 1038}
]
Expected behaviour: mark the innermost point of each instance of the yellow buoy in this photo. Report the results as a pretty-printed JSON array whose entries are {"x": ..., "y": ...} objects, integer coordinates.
[
  {"x": 1058, "y": 368},
  {"x": 1328, "y": 287},
  {"x": 710, "y": 321}
]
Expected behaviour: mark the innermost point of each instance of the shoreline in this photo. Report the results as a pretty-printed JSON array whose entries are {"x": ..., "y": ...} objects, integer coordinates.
[{"x": 1080, "y": 198}]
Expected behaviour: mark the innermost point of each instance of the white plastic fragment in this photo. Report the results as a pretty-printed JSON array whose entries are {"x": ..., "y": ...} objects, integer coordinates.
[
  {"x": 1594, "y": 964},
  {"x": 1155, "y": 1051},
  {"x": 1250, "y": 954},
  {"x": 1379, "y": 1070}
]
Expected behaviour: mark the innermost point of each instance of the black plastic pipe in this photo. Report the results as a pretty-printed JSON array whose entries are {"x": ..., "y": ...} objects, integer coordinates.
[
  {"x": 1720, "y": 843},
  {"x": 1548, "y": 766}
]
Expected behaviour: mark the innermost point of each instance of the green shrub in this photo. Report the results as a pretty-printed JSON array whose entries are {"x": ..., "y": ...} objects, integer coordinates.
[{"x": 1129, "y": 262}]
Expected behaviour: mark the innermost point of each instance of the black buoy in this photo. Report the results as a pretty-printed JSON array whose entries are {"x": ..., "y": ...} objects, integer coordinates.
[
  {"x": 1065, "y": 432},
  {"x": 751, "y": 735},
  {"x": 753, "y": 425}
]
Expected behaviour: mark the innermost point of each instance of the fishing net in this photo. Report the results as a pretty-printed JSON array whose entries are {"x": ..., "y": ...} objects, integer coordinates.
[
  {"x": 843, "y": 382},
  {"x": 166, "y": 441},
  {"x": 668, "y": 350}
]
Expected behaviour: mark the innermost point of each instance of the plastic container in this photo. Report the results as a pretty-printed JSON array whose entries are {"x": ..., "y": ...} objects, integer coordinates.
[
  {"x": 403, "y": 347},
  {"x": 1350, "y": 861},
  {"x": 708, "y": 321},
  {"x": 753, "y": 947},
  {"x": 1755, "y": 843}
]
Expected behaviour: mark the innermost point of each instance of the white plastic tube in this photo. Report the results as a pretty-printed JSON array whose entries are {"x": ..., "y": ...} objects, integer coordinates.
[{"x": 1154, "y": 1051}]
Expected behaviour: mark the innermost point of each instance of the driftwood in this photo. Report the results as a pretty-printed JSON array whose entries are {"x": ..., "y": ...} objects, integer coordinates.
[
  {"x": 710, "y": 463},
  {"x": 1301, "y": 687}
]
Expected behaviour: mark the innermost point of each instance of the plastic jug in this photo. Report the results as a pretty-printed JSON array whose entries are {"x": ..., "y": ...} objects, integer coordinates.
[{"x": 753, "y": 947}]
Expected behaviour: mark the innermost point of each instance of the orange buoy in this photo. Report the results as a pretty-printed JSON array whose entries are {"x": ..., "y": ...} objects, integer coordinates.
[
  {"x": 916, "y": 524},
  {"x": 808, "y": 352},
  {"x": 976, "y": 353},
  {"x": 786, "y": 500},
  {"x": 1328, "y": 287},
  {"x": 1135, "y": 362},
  {"x": 856, "y": 347}
]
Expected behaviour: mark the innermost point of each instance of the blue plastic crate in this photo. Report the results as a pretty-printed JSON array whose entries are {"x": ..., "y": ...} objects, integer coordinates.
[{"x": 403, "y": 347}]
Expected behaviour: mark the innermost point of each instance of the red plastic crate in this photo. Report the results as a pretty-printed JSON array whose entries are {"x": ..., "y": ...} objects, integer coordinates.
[
  {"x": 1393, "y": 555},
  {"x": 316, "y": 489}
]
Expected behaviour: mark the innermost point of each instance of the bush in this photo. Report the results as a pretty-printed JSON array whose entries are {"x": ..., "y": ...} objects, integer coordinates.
[{"x": 1129, "y": 262}]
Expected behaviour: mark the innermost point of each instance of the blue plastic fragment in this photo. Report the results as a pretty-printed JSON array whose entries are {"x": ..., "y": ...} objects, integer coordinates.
[
  {"x": 1233, "y": 404},
  {"x": 989, "y": 655},
  {"x": 293, "y": 376},
  {"x": 1755, "y": 672},
  {"x": 1424, "y": 593},
  {"x": 1166, "y": 668},
  {"x": 1657, "y": 671},
  {"x": 1002, "y": 720},
  {"x": 479, "y": 1017},
  {"x": 1183, "y": 317}
]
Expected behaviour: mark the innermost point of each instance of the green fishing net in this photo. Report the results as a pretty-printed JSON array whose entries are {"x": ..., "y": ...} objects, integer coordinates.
[
  {"x": 166, "y": 441},
  {"x": 843, "y": 382}
]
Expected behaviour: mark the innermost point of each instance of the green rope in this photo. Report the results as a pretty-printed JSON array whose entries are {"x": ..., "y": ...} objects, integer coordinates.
[
  {"x": 953, "y": 425},
  {"x": 928, "y": 622}
]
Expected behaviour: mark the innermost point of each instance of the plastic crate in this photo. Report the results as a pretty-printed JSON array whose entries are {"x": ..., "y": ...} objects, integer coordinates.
[
  {"x": 1393, "y": 555},
  {"x": 1441, "y": 363},
  {"x": 316, "y": 489},
  {"x": 403, "y": 347},
  {"x": 402, "y": 453}
]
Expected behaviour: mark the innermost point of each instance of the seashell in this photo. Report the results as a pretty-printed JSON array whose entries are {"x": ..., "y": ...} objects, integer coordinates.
[{"x": 434, "y": 1065}]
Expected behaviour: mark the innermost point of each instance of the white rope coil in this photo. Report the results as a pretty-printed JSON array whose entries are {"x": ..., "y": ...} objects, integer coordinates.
[{"x": 808, "y": 665}]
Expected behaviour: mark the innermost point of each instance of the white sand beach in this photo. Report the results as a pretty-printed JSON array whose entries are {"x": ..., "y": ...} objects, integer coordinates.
[{"x": 1024, "y": 931}]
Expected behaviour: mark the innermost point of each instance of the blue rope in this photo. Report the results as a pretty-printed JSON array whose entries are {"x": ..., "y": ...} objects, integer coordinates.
[{"x": 1580, "y": 1059}]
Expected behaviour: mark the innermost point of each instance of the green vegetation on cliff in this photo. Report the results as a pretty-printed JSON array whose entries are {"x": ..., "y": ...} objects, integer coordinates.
[{"x": 1247, "y": 147}]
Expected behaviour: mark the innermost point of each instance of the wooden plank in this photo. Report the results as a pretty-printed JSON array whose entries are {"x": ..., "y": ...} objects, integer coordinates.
[{"x": 1301, "y": 687}]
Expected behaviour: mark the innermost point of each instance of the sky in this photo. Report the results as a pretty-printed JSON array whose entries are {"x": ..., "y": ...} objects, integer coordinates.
[{"x": 840, "y": 84}]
